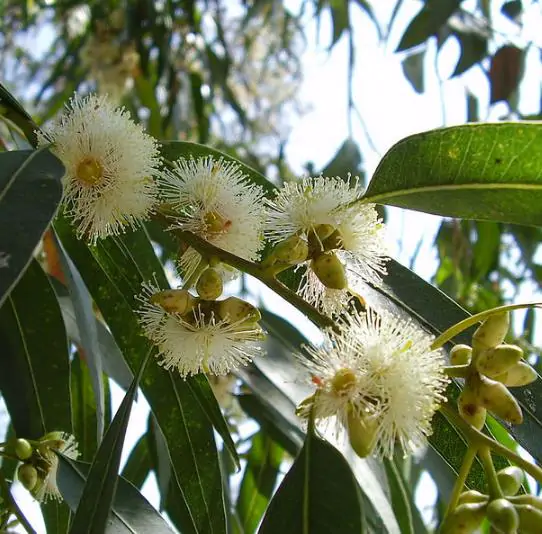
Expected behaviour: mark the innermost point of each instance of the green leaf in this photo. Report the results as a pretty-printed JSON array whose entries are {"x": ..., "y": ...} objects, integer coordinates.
[
  {"x": 473, "y": 50},
  {"x": 263, "y": 466},
  {"x": 475, "y": 171},
  {"x": 413, "y": 70},
  {"x": 172, "y": 150},
  {"x": 138, "y": 466},
  {"x": 185, "y": 425},
  {"x": 340, "y": 19},
  {"x": 131, "y": 512},
  {"x": 346, "y": 161},
  {"x": 30, "y": 191},
  {"x": 15, "y": 113},
  {"x": 92, "y": 514},
  {"x": 318, "y": 495},
  {"x": 427, "y": 22},
  {"x": 34, "y": 358}
]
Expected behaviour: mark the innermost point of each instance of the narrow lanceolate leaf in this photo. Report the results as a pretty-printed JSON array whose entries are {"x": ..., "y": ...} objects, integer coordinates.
[
  {"x": 131, "y": 513},
  {"x": 319, "y": 495},
  {"x": 92, "y": 514},
  {"x": 138, "y": 466},
  {"x": 263, "y": 464},
  {"x": 34, "y": 358},
  {"x": 476, "y": 171},
  {"x": 30, "y": 191}
]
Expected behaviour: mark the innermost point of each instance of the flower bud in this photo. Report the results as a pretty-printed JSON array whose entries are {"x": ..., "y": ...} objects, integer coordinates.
[
  {"x": 530, "y": 519},
  {"x": 495, "y": 361},
  {"x": 497, "y": 399},
  {"x": 472, "y": 496},
  {"x": 329, "y": 270},
  {"x": 510, "y": 479},
  {"x": 502, "y": 515},
  {"x": 362, "y": 433},
  {"x": 209, "y": 285},
  {"x": 519, "y": 374},
  {"x": 23, "y": 449},
  {"x": 28, "y": 476},
  {"x": 469, "y": 407},
  {"x": 465, "y": 519},
  {"x": 334, "y": 241},
  {"x": 460, "y": 355},
  {"x": 174, "y": 301},
  {"x": 234, "y": 309},
  {"x": 303, "y": 409},
  {"x": 533, "y": 500},
  {"x": 318, "y": 235},
  {"x": 292, "y": 251},
  {"x": 491, "y": 332}
]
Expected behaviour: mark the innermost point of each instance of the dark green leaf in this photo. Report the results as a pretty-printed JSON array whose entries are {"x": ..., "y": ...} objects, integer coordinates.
[
  {"x": 56, "y": 516},
  {"x": 30, "y": 191},
  {"x": 427, "y": 22},
  {"x": 131, "y": 512},
  {"x": 512, "y": 9},
  {"x": 14, "y": 112},
  {"x": 138, "y": 466},
  {"x": 261, "y": 472},
  {"x": 318, "y": 495},
  {"x": 346, "y": 162},
  {"x": 475, "y": 171},
  {"x": 340, "y": 19},
  {"x": 92, "y": 514},
  {"x": 172, "y": 150},
  {"x": 413, "y": 70},
  {"x": 34, "y": 358},
  {"x": 473, "y": 50}
]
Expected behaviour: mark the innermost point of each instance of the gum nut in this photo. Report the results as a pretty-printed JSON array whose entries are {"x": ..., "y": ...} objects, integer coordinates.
[
  {"x": 28, "y": 476},
  {"x": 460, "y": 354},
  {"x": 362, "y": 433},
  {"x": 465, "y": 519},
  {"x": 518, "y": 375},
  {"x": 502, "y": 515},
  {"x": 174, "y": 300},
  {"x": 495, "y": 361},
  {"x": 209, "y": 285},
  {"x": 292, "y": 250},
  {"x": 495, "y": 397},
  {"x": 23, "y": 449},
  {"x": 470, "y": 408},
  {"x": 235, "y": 309},
  {"x": 492, "y": 331},
  {"x": 330, "y": 271},
  {"x": 472, "y": 496},
  {"x": 530, "y": 519},
  {"x": 510, "y": 479}
]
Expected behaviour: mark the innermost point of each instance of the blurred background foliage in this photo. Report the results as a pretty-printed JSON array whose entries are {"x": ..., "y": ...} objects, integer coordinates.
[{"x": 228, "y": 74}]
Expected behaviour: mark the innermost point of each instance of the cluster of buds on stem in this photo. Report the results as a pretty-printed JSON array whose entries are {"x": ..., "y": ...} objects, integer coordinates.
[
  {"x": 318, "y": 249},
  {"x": 507, "y": 513},
  {"x": 490, "y": 367}
]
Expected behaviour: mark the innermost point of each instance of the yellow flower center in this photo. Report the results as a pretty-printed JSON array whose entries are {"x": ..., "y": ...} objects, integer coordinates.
[
  {"x": 343, "y": 381},
  {"x": 215, "y": 223},
  {"x": 89, "y": 171}
]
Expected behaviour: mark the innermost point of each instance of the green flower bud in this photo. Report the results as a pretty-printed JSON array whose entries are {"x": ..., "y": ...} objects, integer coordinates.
[
  {"x": 495, "y": 361},
  {"x": 465, "y": 519},
  {"x": 317, "y": 237},
  {"x": 491, "y": 332},
  {"x": 362, "y": 433},
  {"x": 23, "y": 449},
  {"x": 510, "y": 479},
  {"x": 469, "y": 407},
  {"x": 519, "y": 374},
  {"x": 530, "y": 519},
  {"x": 460, "y": 355},
  {"x": 497, "y": 399},
  {"x": 291, "y": 251},
  {"x": 28, "y": 476},
  {"x": 209, "y": 285},
  {"x": 234, "y": 309},
  {"x": 174, "y": 301},
  {"x": 329, "y": 270},
  {"x": 472, "y": 496},
  {"x": 502, "y": 515},
  {"x": 533, "y": 500}
]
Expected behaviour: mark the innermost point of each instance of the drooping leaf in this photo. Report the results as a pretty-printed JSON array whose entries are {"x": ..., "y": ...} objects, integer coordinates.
[
  {"x": 35, "y": 368},
  {"x": 475, "y": 171},
  {"x": 30, "y": 191},
  {"x": 131, "y": 512},
  {"x": 96, "y": 500},
  {"x": 318, "y": 495}
]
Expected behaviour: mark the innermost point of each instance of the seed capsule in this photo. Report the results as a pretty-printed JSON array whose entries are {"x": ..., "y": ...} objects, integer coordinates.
[
  {"x": 28, "y": 476},
  {"x": 460, "y": 355},
  {"x": 234, "y": 309},
  {"x": 491, "y": 332},
  {"x": 209, "y": 285},
  {"x": 502, "y": 515},
  {"x": 519, "y": 374},
  {"x": 291, "y": 251},
  {"x": 23, "y": 449},
  {"x": 495, "y": 361},
  {"x": 362, "y": 433},
  {"x": 174, "y": 301},
  {"x": 470, "y": 409},
  {"x": 465, "y": 519},
  {"x": 495, "y": 397},
  {"x": 510, "y": 479},
  {"x": 329, "y": 270},
  {"x": 472, "y": 496},
  {"x": 530, "y": 519}
]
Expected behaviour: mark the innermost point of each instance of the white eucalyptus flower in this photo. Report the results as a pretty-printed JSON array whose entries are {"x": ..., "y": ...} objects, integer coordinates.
[
  {"x": 379, "y": 370},
  {"x": 304, "y": 207},
  {"x": 217, "y": 202},
  {"x": 47, "y": 487},
  {"x": 199, "y": 341},
  {"x": 109, "y": 163}
]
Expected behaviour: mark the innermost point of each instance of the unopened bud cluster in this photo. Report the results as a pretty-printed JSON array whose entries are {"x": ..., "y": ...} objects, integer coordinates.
[
  {"x": 490, "y": 368},
  {"x": 318, "y": 249},
  {"x": 507, "y": 514}
]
